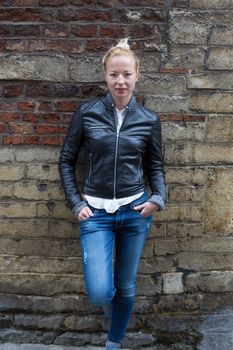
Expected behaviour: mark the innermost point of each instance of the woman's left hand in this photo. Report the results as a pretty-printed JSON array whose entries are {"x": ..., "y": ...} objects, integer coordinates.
[{"x": 147, "y": 208}]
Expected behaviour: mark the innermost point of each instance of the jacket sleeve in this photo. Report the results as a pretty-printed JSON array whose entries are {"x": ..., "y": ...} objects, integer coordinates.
[
  {"x": 154, "y": 166},
  {"x": 67, "y": 162}
]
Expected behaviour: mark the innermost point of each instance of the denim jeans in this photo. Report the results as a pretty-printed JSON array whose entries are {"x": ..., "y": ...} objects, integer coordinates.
[{"x": 109, "y": 284}]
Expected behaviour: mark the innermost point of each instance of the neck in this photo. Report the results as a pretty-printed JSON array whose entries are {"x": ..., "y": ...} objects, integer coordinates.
[{"x": 121, "y": 103}]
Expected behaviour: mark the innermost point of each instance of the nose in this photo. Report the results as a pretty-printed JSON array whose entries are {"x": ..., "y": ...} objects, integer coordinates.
[{"x": 120, "y": 80}]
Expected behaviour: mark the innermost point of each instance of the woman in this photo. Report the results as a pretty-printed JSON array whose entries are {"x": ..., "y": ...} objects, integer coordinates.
[{"x": 122, "y": 143}]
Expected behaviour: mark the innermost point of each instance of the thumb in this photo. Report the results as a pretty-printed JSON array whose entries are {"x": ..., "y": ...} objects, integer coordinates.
[{"x": 139, "y": 207}]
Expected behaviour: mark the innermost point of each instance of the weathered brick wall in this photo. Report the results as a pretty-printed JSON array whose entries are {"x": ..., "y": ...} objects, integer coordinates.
[{"x": 49, "y": 64}]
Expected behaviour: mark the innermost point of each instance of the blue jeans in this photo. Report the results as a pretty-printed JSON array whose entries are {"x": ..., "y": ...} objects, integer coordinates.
[{"x": 108, "y": 284}]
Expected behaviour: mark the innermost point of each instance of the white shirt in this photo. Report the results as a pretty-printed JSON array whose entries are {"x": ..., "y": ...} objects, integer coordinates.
[{"x": 111, "y": 205}]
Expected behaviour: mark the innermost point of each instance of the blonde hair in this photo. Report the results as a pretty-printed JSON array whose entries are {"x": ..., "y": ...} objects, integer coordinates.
[{"x": 121, "y": 48}]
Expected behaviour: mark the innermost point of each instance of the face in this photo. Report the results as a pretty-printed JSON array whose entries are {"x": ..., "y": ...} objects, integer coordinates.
[{"x": 121, "y": 77}]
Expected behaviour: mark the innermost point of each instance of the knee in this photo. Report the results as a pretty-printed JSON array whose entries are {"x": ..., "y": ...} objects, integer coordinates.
[
  {"x": 126, "y": 291},
  {"x": 101, "y": 296}
]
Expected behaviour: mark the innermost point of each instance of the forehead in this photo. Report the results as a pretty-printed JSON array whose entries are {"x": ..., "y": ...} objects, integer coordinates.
[{"x": 122, "y": 61}]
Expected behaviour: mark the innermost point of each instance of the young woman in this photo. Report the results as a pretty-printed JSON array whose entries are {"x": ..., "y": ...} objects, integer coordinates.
[{"x": 122, "y": 143}]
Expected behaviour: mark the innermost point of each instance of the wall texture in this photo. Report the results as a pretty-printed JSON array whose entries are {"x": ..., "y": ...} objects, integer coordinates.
[{"x": 50, "y": 53}]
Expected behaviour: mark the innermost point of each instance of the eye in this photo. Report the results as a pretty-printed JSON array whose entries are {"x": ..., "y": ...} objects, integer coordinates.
[{"x": 113, "y": 75}]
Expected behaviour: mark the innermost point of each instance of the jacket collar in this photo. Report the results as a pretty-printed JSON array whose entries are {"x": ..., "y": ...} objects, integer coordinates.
[{"x": 109, "y": 102}]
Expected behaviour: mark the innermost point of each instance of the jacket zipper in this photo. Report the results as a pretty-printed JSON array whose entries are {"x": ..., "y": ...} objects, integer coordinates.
[
  {"x": 98, "y": 127},
  {"x": 116, "y": 153}
]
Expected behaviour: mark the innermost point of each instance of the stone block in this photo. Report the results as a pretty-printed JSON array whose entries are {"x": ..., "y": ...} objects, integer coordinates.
[
  {"x": 208, "y": 4},
  {"x": 172, "y": 283},
  {"x": 220, "y": 58},
  {"x": 6, "y": 191},
  {"x": 11, "y": 172},
  {"x": 39, "y": 247},
  {"x": 216, "y": 340},
  {"x": 41, "y": 172},
  {"x": 149, "y": 62},
  {"x": 186, "y": 56},
  {"x": 17, "y": 336},
  {"x": 82, "y": 323},
  {"x": 161, "y": 84},
  {"x": 196, "y": 261},
  {"x": 187, "y": 175},
  {"x": 166, "y": 247},
  {"x": 49, "y": 322},
  {"x": 37, "y": 154},
  {"x": 180, "y": 212},
  {"x": 207, "y": 244},
  {"x": 17, "y": 210},
  {"x": 34, "y": 67},
  {"x": 14, "y": 303},
  {"x": 210, "y": 282},
  {"x": 178, "y": 193},
  {"x": 180, "y": 302},
  {"x": 166, "y": 104},
  {"x": 156, "y": 264},
  {"x": 24, "y": 264},
  {"x": 194, "y": 27},
  {"x": 54, "y": 210},
  {"x": 183, "y": 131},
  {"x": 179, "y": 153},
  {"x": 219, "y": 205},
  {"x": 24, "y": 227},
  {"x": 219, "y": 128},
  {"x": 184, "y": 230},
  {"x": 213, "y": 80},
  {"x": 222, "y": 36},
  {"x": 42, "y": 191},
  {"x": 215, "y": 102},
  {"x": 213, "y": 154},
  {"x": 6, "y": 154},
  {"x": 88, "y": 69},
  {"x": 40, "y": 284},
  {"x": 147, "y": 285}
]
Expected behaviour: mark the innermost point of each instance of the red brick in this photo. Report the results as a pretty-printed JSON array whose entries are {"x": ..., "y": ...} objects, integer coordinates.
[
  {"x": 50, "y": 129},
  {"x": 9, "y": 116},
  {"x": 51, "y": 118},
  {"x": 45, "y": 106},
  {"x": 56, "y": 30},
  {"x": 143, "y": 30},
  {"x": 20, "y": 2},
  {"x": 11, "y": 140},
  {"x": 16, "y": 45},
  {"x": 26, "y": 30},
  {"x": 64, "y": 106},
  {"x": 27, "y": 14},
  {"x": 99, "y": 44},
  {"x": 3, "y": 127},
  {"x": 30, "y": 117},
  {"x": 84, "y": 15},
  {"x": 145, "y": 2},
  {"x": 13, "y": 90},
  {"x": 52, "y": 3},
  {"x": 53, "y": 140},
  {"x": 16, "y": 128},
  {"x": 80, "y": 2},
  {"x": 84, "y": 30},
  {"x": 177, "y": 117},
  {"x": 67, "y": 118},
  {"x": 6, "y": 30},
  {"x": 39, "y": 89},
  {"x": 26, "y": 105},
  {"x": 5, "y": 106},
  {"x": 64, "y": 46},
  {"x": 114, "y": 31},
  {"x": 31, "y": 140}
]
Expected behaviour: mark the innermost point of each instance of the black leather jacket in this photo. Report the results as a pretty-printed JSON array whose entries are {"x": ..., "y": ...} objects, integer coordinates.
[{"x": 115, "y": 163}]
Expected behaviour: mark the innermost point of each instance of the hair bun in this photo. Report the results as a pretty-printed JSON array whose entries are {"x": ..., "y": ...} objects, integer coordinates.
[{"x": 123, "y": 43}]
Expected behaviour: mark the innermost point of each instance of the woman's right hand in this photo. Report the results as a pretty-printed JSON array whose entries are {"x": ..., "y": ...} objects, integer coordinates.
[{"x": 85, "y": 213}]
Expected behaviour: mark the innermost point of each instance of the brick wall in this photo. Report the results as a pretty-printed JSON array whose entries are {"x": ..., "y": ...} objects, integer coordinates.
[{"x": 49, "y": 64}]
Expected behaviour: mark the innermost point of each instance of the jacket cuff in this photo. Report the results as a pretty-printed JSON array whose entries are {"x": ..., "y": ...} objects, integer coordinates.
[
  {"x": 158, "y": 200},
  {"x": 78, "y": 207}
]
